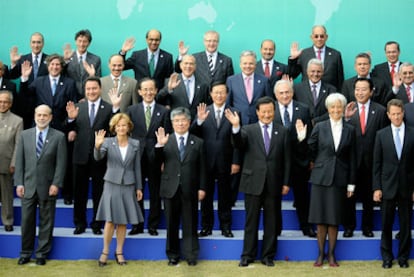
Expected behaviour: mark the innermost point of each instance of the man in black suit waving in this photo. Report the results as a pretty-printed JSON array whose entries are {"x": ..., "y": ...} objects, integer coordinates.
[
  {"x": 393, "y": 175},
  {"x": 264, "y": 177}
]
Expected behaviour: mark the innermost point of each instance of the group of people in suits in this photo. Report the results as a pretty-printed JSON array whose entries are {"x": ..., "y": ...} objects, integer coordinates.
[{"x": 238, "y": 122}]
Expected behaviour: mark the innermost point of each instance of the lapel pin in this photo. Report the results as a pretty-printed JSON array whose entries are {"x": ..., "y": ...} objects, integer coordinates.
[
  {"x": 221, "y": 61},
  {"x": 192, "y": 142},
  {"x": 373, "y": 112},
  {"x": 161, "y": 56},
  {"x": 158, "y": 114},
  {"x": 324, "y": 91},
  {"x": 296, "y": 108},
  {"x": 329, "y": 53},
  {"x": 61, "y": 83},
  {"x": 102, "y": 106},
  {"x": 276, "y": 132},
  {"x": 277, "y": 68},
  {"x": 198, "y": 86},
  {"x": 259, "y": 81},
  {"x": 47, "y": 141}
]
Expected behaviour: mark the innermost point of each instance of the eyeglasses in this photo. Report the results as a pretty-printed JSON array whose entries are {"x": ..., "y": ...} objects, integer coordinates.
[
  {"x": 147, "y": 89},
  {"x": 319, "y": 36}
]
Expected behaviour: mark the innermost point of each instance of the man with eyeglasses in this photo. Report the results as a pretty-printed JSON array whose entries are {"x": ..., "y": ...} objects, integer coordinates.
[
  {"x": 331, "y": 58},
  {"x": 403, "y": 87},
  {"x": 212, "y": 66},
  {"x": 147, "y": 117},
  {"x": 151, "y": 62}
]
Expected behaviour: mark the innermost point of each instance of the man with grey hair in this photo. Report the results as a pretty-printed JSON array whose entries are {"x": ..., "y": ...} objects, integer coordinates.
[
  {"x": 181, "y": 192},
  {"x": 313, "y": 91},
  {"x": 403, "y": 87},
  {"x": 212, "y": 66},
  {"x": 246, "y": 87},
  {"x": 10, "y": 127},
  {"x": 331, "y": 58}
]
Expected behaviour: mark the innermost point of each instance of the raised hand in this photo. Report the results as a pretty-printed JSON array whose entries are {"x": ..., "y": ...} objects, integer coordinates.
[
  {"x": 115, "y": 97},
  {"x": 173, "y": 82},
  {"x": 162, "y": 137},
  {"x": 300, "y": 129},
  {"x": 26, "y": 69},
  {"x": 350, "y": 109},
  {"x": 202, "y": 112},
  {"x": 232, "y": 117},
  {"x": 14, "y": 55},
  {"x": 182, "y": 49},
  {"x": 295, "y": 51},
  {"x": 90, "y": 68},
  {"x": 72, "y": 110},
  {"x": 67, "y": 52},
  {"x": 128, "y": 44},
  {"x": 99, "y": 138},
  {"x": 397, "y": 81}
]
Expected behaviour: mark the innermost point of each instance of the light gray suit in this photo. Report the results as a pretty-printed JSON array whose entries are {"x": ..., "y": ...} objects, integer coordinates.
[
  {"x": 10, "y": 127},
  {"x": 37, "y": 175},
  {"x": 128, "y": 88}
]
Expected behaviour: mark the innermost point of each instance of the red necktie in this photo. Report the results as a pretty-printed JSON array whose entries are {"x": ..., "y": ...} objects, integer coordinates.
[
  {"x": 267, "y": 70},
  {"x": 392, "y": 72},
  {"x": 362, "y": 119},
  {"x": 408, "y": 90},
  {"x": 319, "y": 54}
]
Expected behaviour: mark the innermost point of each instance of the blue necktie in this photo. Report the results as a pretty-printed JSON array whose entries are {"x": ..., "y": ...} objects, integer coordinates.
[
  {"x": 92, "y": 114},
  {"x": 182, "y": 148},
  {"x": 397, "y": 141},
  {"x": 286, "y": 117},
  {"x": 54, "y": 84},
  {"x": 266, "y": 138},
  {"x": 39, "y": 144},
  {"x": 35, "y": 66}
]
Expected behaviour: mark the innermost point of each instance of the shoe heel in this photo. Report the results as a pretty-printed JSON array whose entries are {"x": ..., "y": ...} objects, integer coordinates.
[
  {"x": 101, "y": 263},
  {"x": 116, "y": 259}
]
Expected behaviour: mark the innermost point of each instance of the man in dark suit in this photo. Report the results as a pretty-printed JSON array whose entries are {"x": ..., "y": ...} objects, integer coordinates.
[
  {"x": 367, "y": 117},
  {"x": 122, "y": 84},
  {"x": 393, "y": 176},
  {"x": 269, "y": 67},
  {"x": 296, "y": 118},
  {"x": 212, "y": 66},
  {"x": 8, "y": 85},
  {"x": 185, "y": 89},
  {"x": 246, "y": 88},
  {"x": 222, "y": 160},
  {"x": 313, "y": 91},
  {"x": 331, "y": 58},
  {"x": 381, "y": 94},
  {"x": 25, "y": 105},
  {"x": 182, "y": 185},
  {"x": 150, "y": 62},
  {"x": 385, "y": 71},
  {"x": 84, "y": 120},
  {"x": 53, "y": 89},
  {"x": 265, "y": 176},
  {"x": 81, "y": 64},
  {"x": 40, "y": 171},
  {"x": 403, "y": 87},
  {"x": 147, "y": 117}
]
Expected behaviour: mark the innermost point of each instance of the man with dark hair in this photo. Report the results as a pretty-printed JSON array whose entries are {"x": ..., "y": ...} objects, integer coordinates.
[{"x": 386, "y": 71}]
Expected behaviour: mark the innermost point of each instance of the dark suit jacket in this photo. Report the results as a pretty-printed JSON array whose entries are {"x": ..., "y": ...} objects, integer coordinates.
[
  {"x": 303, "y": 93},
  {"x": 222, "y": 70},
  {"x": 409, "y": 114},
  {"x": 139, "y": 63},
  {"x": 260, "y": 169},
  {"x": 382, "y": 71},
  {"x": 10, "y": 86},
  {"x": 72, "y": 70},
  {"x": 38, "y": 174},
  {"x": 179, "y": 98},
  {"x": 189, "y": 175},
  {"x": 237, "y": 97},
  {"x": 402, "y": 93},
  {"x": 333, "y": 168},
  {"x": 217, "y": 141},
  {"x": 377, "y": 119},
  {"x": 85, "y": 139},
  {"x": 300, "y": 152},
  {"x": 278, "y": 70},
  {"x": 41, "y": 89},
  {"x": 16, "y": 71},
  {"x": 382, "y": 93},
  {"x": 333, "y": 67},
  {"x": 392, "y": 176},
  {"x": 147, "y": 138}
]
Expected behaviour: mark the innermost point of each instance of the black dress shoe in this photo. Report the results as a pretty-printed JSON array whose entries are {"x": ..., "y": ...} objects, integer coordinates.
[
  {"x": 309, "y": 232},
  {"x": 152, "y": 232},
  {"x": 68, "y": 202},
  {"x": 268, "y": 262},
  {"x": 404, "y": 264},
  {"x": 387, "y": 264},
  {"x": 192, "y": 262},
  {"x": 348, "y": 233},
  {"x": 245, "y": 262},
  {"x": 227, "y": 233},
  {"x": 205, "y": 233},
  {"x": 368, "y": 233},
  {"x": 172, "y": 262},
  {"x": 8, "y": 228},
  {"x": 23, "y": 260},
  {"x": 136, "y": 229},
  {"x": 40, "y": 261},
  {"x": 97, "y": 231},
  {"x": 79, "y": 230}
]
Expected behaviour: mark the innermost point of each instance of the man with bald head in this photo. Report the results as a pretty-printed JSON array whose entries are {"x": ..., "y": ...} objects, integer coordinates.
[
  {"x": 151, "y": 62},
  {"x": 331, "y": 58}
]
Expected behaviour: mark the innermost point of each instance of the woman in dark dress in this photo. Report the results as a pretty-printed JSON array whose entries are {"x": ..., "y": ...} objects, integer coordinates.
[
  {"x": 122, "y": 187},
  {"x": 332, "y": 145}
]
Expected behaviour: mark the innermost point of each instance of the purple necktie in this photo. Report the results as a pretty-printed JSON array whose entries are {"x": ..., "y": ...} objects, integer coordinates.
[{"x": 266, "y": 138}]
